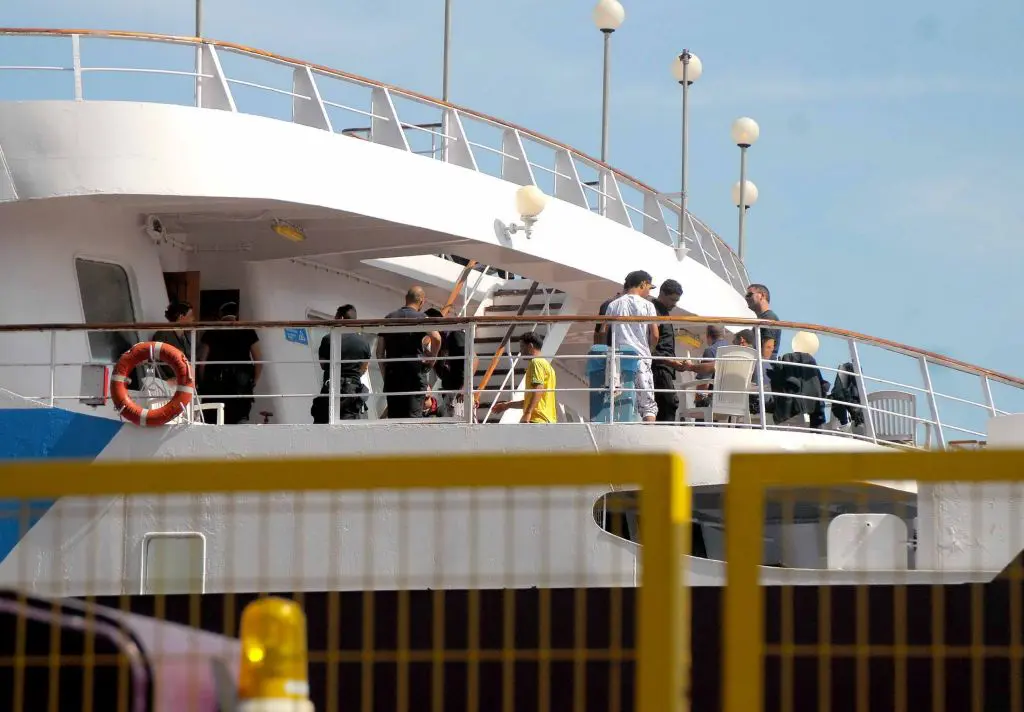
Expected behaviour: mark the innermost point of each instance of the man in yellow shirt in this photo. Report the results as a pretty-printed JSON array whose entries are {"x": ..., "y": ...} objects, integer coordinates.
[{"x": 538, "y": 403}]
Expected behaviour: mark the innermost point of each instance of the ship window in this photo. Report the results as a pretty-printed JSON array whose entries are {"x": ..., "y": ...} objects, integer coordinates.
[
  {"x": 173, "y": 562},
  {"x": 106, "y": 299}
]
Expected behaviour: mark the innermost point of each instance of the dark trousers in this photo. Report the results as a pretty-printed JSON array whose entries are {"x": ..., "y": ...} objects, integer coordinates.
[
  {"x": 405, "y": 406},
  {"x": 668, "y": 403}
]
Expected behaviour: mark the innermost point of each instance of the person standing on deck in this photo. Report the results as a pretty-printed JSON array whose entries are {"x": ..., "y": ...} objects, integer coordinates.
[
  {"x": 238, "y": 379},
  {"x": 538, "y": 402},
  {"x": 664, "y": 369},
  {"x": 419, "y": 347},
  {"x": 642, "y": 337}
]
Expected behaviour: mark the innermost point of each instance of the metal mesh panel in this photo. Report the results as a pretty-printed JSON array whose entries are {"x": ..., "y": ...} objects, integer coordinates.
[
  {"x": 875, "y": 581},
  {"x": 428, "y": 583}
]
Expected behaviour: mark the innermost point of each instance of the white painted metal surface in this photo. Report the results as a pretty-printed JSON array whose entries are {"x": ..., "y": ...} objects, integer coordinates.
[{"x": 328, "y": 100}]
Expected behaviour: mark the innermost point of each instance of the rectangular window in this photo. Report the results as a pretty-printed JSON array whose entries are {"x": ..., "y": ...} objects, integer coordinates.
[
  {"x": 173, "y": 562},
  {"x": 106, "y": 298}
]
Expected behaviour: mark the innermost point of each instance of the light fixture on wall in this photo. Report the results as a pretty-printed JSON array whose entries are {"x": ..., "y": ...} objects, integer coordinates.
[
  {"x": 288, "y": 231},
  {"x": 530, "y": 203}
]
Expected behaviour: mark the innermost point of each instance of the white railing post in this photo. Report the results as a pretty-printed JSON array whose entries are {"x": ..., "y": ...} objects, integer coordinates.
[
  {"x": 611, "y": 370},
  {"x": 53, "y": 367},
  {"x": 76, "y": 64},
  {"x": 332, "y": 375},
  {"x": 195, "y": 375},
  {"x": 470, "y": 376},
  {"x": 858, "y": 373},
  {"x": 761, "y": 390},
  {"x": 932, "y": 402},
  {"x": 986, "y": 389}
]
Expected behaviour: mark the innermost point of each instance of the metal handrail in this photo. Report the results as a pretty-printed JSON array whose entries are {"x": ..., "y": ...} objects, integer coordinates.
[
  {"x": 956, "y": 422},
  {"x": 654, "y": 225},
  {"x": 370, "y": 324}
]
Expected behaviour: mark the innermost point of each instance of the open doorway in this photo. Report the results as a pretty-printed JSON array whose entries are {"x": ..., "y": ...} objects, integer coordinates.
[
  {"x": 210, "y": 301},
  {"x": 183, "y": 287}
]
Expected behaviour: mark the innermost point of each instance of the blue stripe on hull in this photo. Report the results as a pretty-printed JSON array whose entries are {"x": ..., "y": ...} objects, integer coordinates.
[{"x": 40, "y": 434}]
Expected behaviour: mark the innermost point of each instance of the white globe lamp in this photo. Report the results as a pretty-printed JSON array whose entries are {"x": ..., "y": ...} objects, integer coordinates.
[
  {"x": 694, "y": 69},
  {"x": 530, "y": 201},
  {"x": 749, "y": 193},
  {"x": 805, "y": 342},
  {"x": 745, "y": 132},
  {"x": 609, "y": 15}
]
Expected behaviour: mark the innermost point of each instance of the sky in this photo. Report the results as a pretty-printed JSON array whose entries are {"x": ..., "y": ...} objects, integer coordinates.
[{"x": 888, "y": 162}]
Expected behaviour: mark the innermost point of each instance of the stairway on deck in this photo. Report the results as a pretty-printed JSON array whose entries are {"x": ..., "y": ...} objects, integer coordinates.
[{"x": 509, "y": 299}]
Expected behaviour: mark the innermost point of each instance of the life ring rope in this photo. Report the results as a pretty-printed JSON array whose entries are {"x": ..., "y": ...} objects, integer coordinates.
[{"x": 145, "y": 352}]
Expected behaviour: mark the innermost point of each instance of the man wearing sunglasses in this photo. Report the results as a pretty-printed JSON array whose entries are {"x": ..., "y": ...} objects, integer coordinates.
[{"x": 759, "y": 300}]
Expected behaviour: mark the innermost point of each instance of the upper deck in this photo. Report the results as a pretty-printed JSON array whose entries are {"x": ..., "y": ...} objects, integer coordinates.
[{"x": 123, "y": 66}]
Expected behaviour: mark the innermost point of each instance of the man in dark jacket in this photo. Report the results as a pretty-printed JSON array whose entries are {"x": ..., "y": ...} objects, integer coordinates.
[
  {"x": 799, "y": 377},
  {"x": 665, "y": 364}
]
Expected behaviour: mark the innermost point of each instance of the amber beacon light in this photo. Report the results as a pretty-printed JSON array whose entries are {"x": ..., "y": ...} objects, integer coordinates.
[{"x": 273, "y": 675}]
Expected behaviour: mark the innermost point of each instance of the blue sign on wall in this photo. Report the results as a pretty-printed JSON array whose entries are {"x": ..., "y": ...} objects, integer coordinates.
[{"x": 297, "y": 336}]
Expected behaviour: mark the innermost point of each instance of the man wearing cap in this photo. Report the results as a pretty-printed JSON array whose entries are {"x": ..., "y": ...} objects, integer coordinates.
[
  {"x": 665, "y": 365},
  {"x": 642, "y": 337}
]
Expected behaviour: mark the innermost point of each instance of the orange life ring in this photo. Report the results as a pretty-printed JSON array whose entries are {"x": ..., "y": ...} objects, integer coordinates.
[{"x": 137, "y": 355}]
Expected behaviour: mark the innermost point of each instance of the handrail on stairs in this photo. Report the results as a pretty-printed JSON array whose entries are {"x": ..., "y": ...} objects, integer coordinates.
[
  {"x": 505, "y": 339},
  {"x": 457, "y": 287}
]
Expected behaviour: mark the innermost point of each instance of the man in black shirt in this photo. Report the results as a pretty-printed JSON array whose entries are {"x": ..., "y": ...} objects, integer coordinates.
[
  {"x": 603, "y": 335},
  {"x": 451, "y": 368},
  {"x": 407, "y": 375},
  {"x": 759, "y": 300},
  {"x": 664, "y": 368},
  {"x": 230, "y": 379},
  {"x": 354, "y": 360}
]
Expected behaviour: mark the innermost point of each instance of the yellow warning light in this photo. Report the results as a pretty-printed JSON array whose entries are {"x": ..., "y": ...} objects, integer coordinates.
[{"x": 273, "y": 674}]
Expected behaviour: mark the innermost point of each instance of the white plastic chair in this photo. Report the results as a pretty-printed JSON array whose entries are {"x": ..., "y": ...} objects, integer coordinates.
[
  {"x": 734, "y": 369},
  {"x": 893, "y": 414}
]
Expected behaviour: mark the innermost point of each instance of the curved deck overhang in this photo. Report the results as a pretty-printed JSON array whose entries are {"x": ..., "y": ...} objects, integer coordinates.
[
  {"x": 355, "y": 196},
  {"x": 395, "y": 118}
]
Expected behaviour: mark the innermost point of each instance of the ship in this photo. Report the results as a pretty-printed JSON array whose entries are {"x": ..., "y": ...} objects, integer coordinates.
[{"x": 285, "y": 189}]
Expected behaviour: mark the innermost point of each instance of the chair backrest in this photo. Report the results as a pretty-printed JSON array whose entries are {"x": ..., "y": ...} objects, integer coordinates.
[
  {"x": 893, "y": 414},
  {"x": 734, "y": 369}
]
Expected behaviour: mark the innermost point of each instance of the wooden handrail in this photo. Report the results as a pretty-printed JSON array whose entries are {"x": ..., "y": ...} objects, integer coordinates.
[
  {"x": 459, "y": 284},
  {"x": 179, "y": 39},
  {"x": 505, "y": 339},
  {"x": 363, "y": 324}
]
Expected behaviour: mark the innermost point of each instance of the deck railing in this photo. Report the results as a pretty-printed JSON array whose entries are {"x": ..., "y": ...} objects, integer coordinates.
[
  {"x": 905, "y": 396},
  {"x": 231, "y": 77}
]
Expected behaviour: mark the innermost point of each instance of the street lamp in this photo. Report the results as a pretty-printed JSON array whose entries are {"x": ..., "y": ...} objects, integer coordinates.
[
  {"x": 608, "y": 17},
  {"x": 749, "y": 193},
  {"x": 745, "y": 133},
  {"x": 686, "y": 69},
  {"x": 199, "y": 54}
]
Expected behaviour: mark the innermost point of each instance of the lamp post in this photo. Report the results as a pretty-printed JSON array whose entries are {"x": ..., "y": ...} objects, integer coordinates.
[
  {"x": 199, "y": 54},
  {"x": 686, "y": 68},
  {"x": 745, "y": 133},
  {"x": 608, "y": 16},
  {"x": 447, "y": 45}
]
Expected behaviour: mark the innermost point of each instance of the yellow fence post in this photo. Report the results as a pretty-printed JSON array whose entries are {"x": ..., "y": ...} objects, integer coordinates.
[{"x": 663, "y": 639}]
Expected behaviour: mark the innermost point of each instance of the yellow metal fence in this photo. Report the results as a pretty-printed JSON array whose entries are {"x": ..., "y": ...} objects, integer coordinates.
[
  {"x": 860, "y": 639},
  {"x": 88, "y": 542}
]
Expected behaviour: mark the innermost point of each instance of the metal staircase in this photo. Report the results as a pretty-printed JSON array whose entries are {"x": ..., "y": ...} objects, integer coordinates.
[{"x": 499, "y": 369}]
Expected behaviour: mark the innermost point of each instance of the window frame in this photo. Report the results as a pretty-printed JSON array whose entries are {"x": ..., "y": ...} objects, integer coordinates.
[{"x": 133, "y": 297}]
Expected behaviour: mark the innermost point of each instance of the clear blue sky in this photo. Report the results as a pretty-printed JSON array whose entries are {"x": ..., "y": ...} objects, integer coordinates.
[{"x": 888, "y": 164}]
